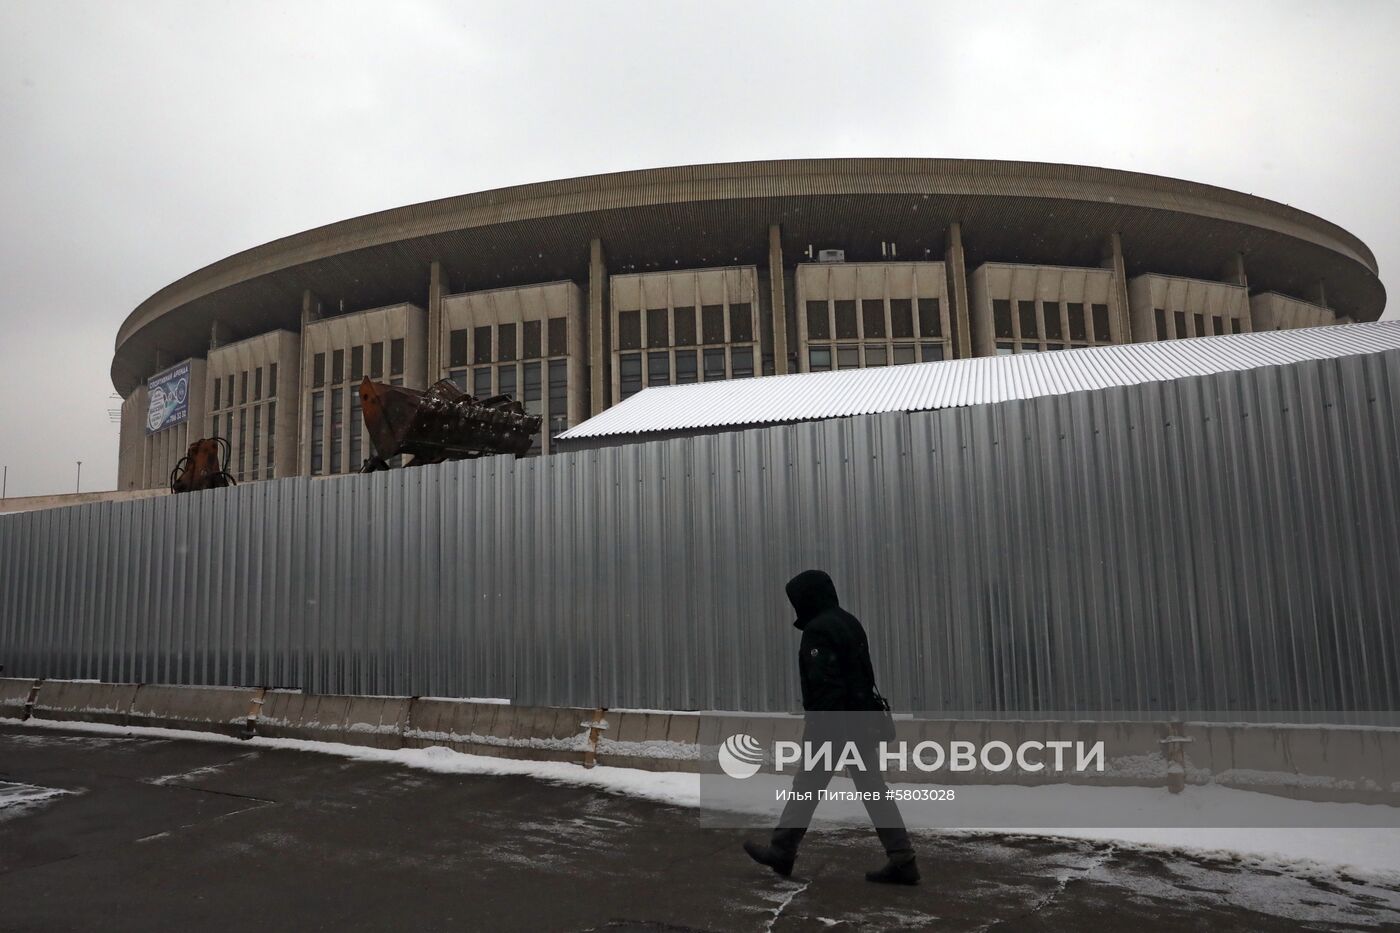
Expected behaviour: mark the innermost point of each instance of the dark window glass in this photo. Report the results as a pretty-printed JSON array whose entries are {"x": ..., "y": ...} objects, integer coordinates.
[
  {"x": 271, "y": 436},
  {"x": 272, "y": 381},
  {"x": 243, "y": 387},
  {"x": 257, "y": 384},
  {"x": 901, "y": 318},
  {"x": 818, "y": 321},
  {"x": 318, "y": 424},
  {"x": 1077, "y": 328},
  {"x": 714, "y": 364},
  {"x": 629, "y": 330},
  {"x": 872, "y": 312},
  {"x": 357, "y": 423},
  {"x": 1025, "y": 310},
  {"x": 507, "y": 348},
  {"x": 848, "y": 357},
  {"x": 767, "y": 364},
  {"x": 930, "y": 318},
  {"x": 1161, "y": 319},
  {"x": 1234, "y": 325},
  {"x": 1219, "y": 324},
  {"x": 376, "y": 360},
  {"x": 1051, "y": 312},
  {"x": 533, "y": 388},
  {"x": 357, "y": 363},
  {"x": 741, "y": 323},
  {"x": 659, "y": 368},
  {"x": 819, "y": 358},
  {"x": 257, "y": 436},
  {"x": 337, "y": 366},
  {"x": 217, "y": 384},
  {"x": 505, "y": 380},
  {"x": 558, "y": 397},
  {"x": 242, "y": 434},
  {"x": 457, "y": 348},
  {"x": 558, "y": 336},
  {"x": 459, "y": 378},
  {"x": 481, "y": 344},
  {"x": 337, "y": 426},
  {"x": 931, "y": 352},
  {"x": 1005, "y": 349},
  {"x": 229, "y": 394},
  {"x": 481, "y": 382},
  {"x": 530, "y": 336},
  {"x": 903, "y": 354},
  {"x": 1200, "y": 322},
  {"x": 686, "y": 366},
  {"x": 1101, "y": 334},
  {"x": 396, "y": 356},
  {"x": 712, "y": 324},
  {"x": 1179, "y": 319},
  {"x": 741, "y": 362},
  {"x": 228, "y": 426},
  {"x": 658, "y": 328},
  {"x": 629, "y": 374},
  {"x": 876, "y": 356},
  {"x": 685, "y": 327},
  {"x": 1001, "y": 317},
  {"x": 846, "y": 320}
]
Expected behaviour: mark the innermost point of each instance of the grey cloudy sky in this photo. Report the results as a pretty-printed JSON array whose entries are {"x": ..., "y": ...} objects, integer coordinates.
[{"x": 142, "y": 140}]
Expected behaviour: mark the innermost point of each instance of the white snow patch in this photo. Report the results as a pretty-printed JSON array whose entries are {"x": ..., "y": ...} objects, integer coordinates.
[{"x": 18, "y": 799}]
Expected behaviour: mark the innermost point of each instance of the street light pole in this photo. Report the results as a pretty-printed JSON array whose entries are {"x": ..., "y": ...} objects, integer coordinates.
[{"x": 79, "y": 485}]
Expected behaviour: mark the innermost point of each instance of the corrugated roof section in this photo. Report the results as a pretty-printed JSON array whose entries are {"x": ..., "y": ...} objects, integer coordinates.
[{"x": 954, "y": 383}]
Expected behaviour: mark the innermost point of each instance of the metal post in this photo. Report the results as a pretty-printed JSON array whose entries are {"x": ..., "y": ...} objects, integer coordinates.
[
  {"x": 4, "y": 480},
  {"x": 79, "y": 484}
]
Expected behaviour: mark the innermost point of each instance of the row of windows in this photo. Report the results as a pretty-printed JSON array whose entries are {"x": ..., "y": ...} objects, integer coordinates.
[
  {"x": 877, "y": 319},
  {"x": 511, "y": 342},
  {"x": 825, "y": 357},
  {"x": 1048, "y": 323},
  {"x": 677, "y": 326},
  {"x": 223, "y": 388},
  {"x": 250, "y": 458},
  {"x": 682, "y": 367},
  {"x": 1178, "y": 322},
  {"x": 523, "y": 383},
  {"x": 357, "y": 363}
]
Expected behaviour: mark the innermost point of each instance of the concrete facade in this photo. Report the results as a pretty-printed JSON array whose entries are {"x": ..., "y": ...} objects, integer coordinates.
[
  {"x": 145, "y": 460},
  {"x": 1026, "y": 309},
  {"x": 1272, "y": 311},
  {"x": 1166, "y": 307},
  {"x": 854, "y": 315},
  {"x": 244, "y": 384}
]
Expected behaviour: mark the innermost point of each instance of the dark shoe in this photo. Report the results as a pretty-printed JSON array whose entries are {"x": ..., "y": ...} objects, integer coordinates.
[
  {"x": 900, "y": 869},
  {"x": 776, "y": 859}
]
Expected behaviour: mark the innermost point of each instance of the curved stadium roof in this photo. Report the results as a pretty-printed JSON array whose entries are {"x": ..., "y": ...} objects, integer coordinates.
[{"x": 716, "y": 215}]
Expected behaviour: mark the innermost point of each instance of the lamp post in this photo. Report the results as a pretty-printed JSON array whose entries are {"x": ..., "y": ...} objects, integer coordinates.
[{"x": 79, "y": 485}]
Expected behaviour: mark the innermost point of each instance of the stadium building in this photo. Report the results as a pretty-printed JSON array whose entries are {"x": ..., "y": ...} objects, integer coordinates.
[{"x": 574, "y": 295}]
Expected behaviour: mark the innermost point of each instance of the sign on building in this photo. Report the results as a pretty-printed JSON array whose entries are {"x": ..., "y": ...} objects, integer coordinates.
[{"x": 170, "y": 398}]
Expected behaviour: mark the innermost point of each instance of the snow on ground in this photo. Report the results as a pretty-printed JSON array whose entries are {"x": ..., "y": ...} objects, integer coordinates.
[
  {"x": 1310, "y": 844},
  {"x": 16, "y": 799}
]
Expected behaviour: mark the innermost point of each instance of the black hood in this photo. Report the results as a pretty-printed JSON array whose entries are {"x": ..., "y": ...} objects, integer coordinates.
[{"x": 810, "y": 593}]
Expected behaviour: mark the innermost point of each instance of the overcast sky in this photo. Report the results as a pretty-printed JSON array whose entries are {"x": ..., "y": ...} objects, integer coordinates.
[{"x": 142, "y": 140}]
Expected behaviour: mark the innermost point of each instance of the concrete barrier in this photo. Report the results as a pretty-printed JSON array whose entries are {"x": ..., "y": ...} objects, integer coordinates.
[
  {"x": 499, "y": 729},
  {"x": 14, "y": 697},
  {"x": 225, "y": 710},
  {"x": 83, "y": 701},
  {"x": 351, "y": 720}
]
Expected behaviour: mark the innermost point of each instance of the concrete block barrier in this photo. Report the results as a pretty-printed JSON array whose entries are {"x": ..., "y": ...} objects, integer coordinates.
[
  {"x": 225, "y": 710},
  {"x": 83, "y": 701},
  {"x": 351, "y": 720},
  {"x": 14, "y": 697}
]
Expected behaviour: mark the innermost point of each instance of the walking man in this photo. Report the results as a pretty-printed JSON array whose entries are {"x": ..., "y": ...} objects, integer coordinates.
[{"x": 837, "y": 677}]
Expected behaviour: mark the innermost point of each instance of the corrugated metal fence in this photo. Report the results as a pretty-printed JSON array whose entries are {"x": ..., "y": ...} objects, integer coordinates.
[{"x": 1224, "y": 542}]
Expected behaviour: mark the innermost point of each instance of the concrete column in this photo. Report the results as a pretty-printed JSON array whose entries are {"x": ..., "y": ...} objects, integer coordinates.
[
  {"x": 599, "y": 329},
  {"x": 1119, "y": 328},
  {"x": 1232, "y": 272},
  {"x": 218, "y": 335},
  {"x": 955, "y": 264},
  {"x": 437, "y": 287},
  {"x": 777, "y": 284},
  {"x": 1317, "y": 293}
]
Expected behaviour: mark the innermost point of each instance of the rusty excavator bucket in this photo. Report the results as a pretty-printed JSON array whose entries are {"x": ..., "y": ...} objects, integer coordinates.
[
  {"x": 443, "y": 423},
  {"x": 204, "y": 466}
]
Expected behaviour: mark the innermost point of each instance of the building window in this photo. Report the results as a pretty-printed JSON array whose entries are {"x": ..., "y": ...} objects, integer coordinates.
[
  {"x": 481, "y": 382},
  {"x": 1218, "y": 324},
  {"x": 457, "y": 348},
  {"x": 685, "y": 327},
  {"x": 1101, "y": 334},
  {"x": 1001, "y": 318},
  {"x": 376, "y": 360},
  {"x": 243, "y": 387},
  {"x": 658, "y": 368},
  {"x": 819, "y": 359},
  {"x": 848, "y": 357},
  {"x": 229, "y": 394},
  {"x": 904, "y": 354},
  {"x": 846, "y": 320},
  {"x": 530, "y": 336},
  {"x": 558, "y": 397},
  {"x": 506, "y": 346},
  {"x": 872, "y": 312},
  {"x": 901, "y": 318},
  {"x": 505, "y": 384},
  {"x": 876, "y": 355},
  {"x": 271, "y": 436},
  {"x": 930, "y": 352},
  {"x": 741, "y": 323},
  {"x": 459, "y": 378},
  {"x": 1077, "y": 328},
  {"x": 818, "y": 321},
  {"x": 558, "y": 336},
  {"x": 1025, "y": 310},
  {"x": 930, "y": 318},
  {"x": 741, "y": 362},
  {"x": 1053, "y": 328},
  {"x": 1005, "y": 349},
  {"x": 217, "y": 384},
  {"x": 228, "y": 427},
  {"x": 658, "y": 328},
  {"x": 1200, "y": 321},
  {"x": 257, "y": 436},
  {"x": 242, "y": 434},
  {"x": 629, "y": 330},
  {"x": 714, "y": 364},
  {"x": 337, "y": 367},
  {"x": 357, "y": 363},
  {"x": 318, "y": 424},
  {"x": 1234, "y": 325},
  {"x": 686, "y": 365},
  {"x": 396, "y": 357},
  {"x": 629, "y": 373},
  {"x": 1179, "y": 319},
  {"x": 337, "y": 429},
  {"x": 318, "y": 369},
  {"x": 1161, "y": 318},
  {"x": 712, "y": 324},
  {"x": 534, "y": 400},
  {"x": 357, "y": 419},
  {"x": 272, "y": 381},
  {"x": 257, "y": 384}
]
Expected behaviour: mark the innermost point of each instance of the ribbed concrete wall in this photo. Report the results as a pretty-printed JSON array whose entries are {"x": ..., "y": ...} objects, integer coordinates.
[{"x": 1217, "y": 543}]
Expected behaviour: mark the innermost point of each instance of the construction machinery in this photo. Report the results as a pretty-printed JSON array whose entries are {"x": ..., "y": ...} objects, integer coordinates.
[
  {"x": 204, "y": 466},
  {"x": 443, "y": 423}
]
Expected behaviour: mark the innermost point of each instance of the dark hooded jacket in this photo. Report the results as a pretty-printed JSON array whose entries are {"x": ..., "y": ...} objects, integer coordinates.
[{"x": 834, "y": 660}]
